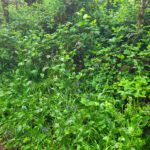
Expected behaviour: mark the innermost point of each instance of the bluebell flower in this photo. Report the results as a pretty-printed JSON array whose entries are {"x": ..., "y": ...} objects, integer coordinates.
[
  {"x": 67, "y": 106},
  {"x": 45, "y": 129},
  {"x": 78, "y": 83},
  {"x": 79, "y": 91}
]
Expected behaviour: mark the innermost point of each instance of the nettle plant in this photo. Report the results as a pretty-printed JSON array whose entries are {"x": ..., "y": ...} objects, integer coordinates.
[{"x": 137, "y": 88}]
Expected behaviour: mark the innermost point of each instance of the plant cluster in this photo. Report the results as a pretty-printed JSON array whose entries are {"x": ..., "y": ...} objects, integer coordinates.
[{"x": 75, "y": 82}]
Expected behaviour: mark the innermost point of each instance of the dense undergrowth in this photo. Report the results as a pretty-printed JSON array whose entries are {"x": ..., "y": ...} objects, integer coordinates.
[{"x": 75, "y": 81}]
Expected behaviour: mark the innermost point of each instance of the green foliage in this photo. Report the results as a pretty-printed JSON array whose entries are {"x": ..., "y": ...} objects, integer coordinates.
[{"x": 78, "y": 82}]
